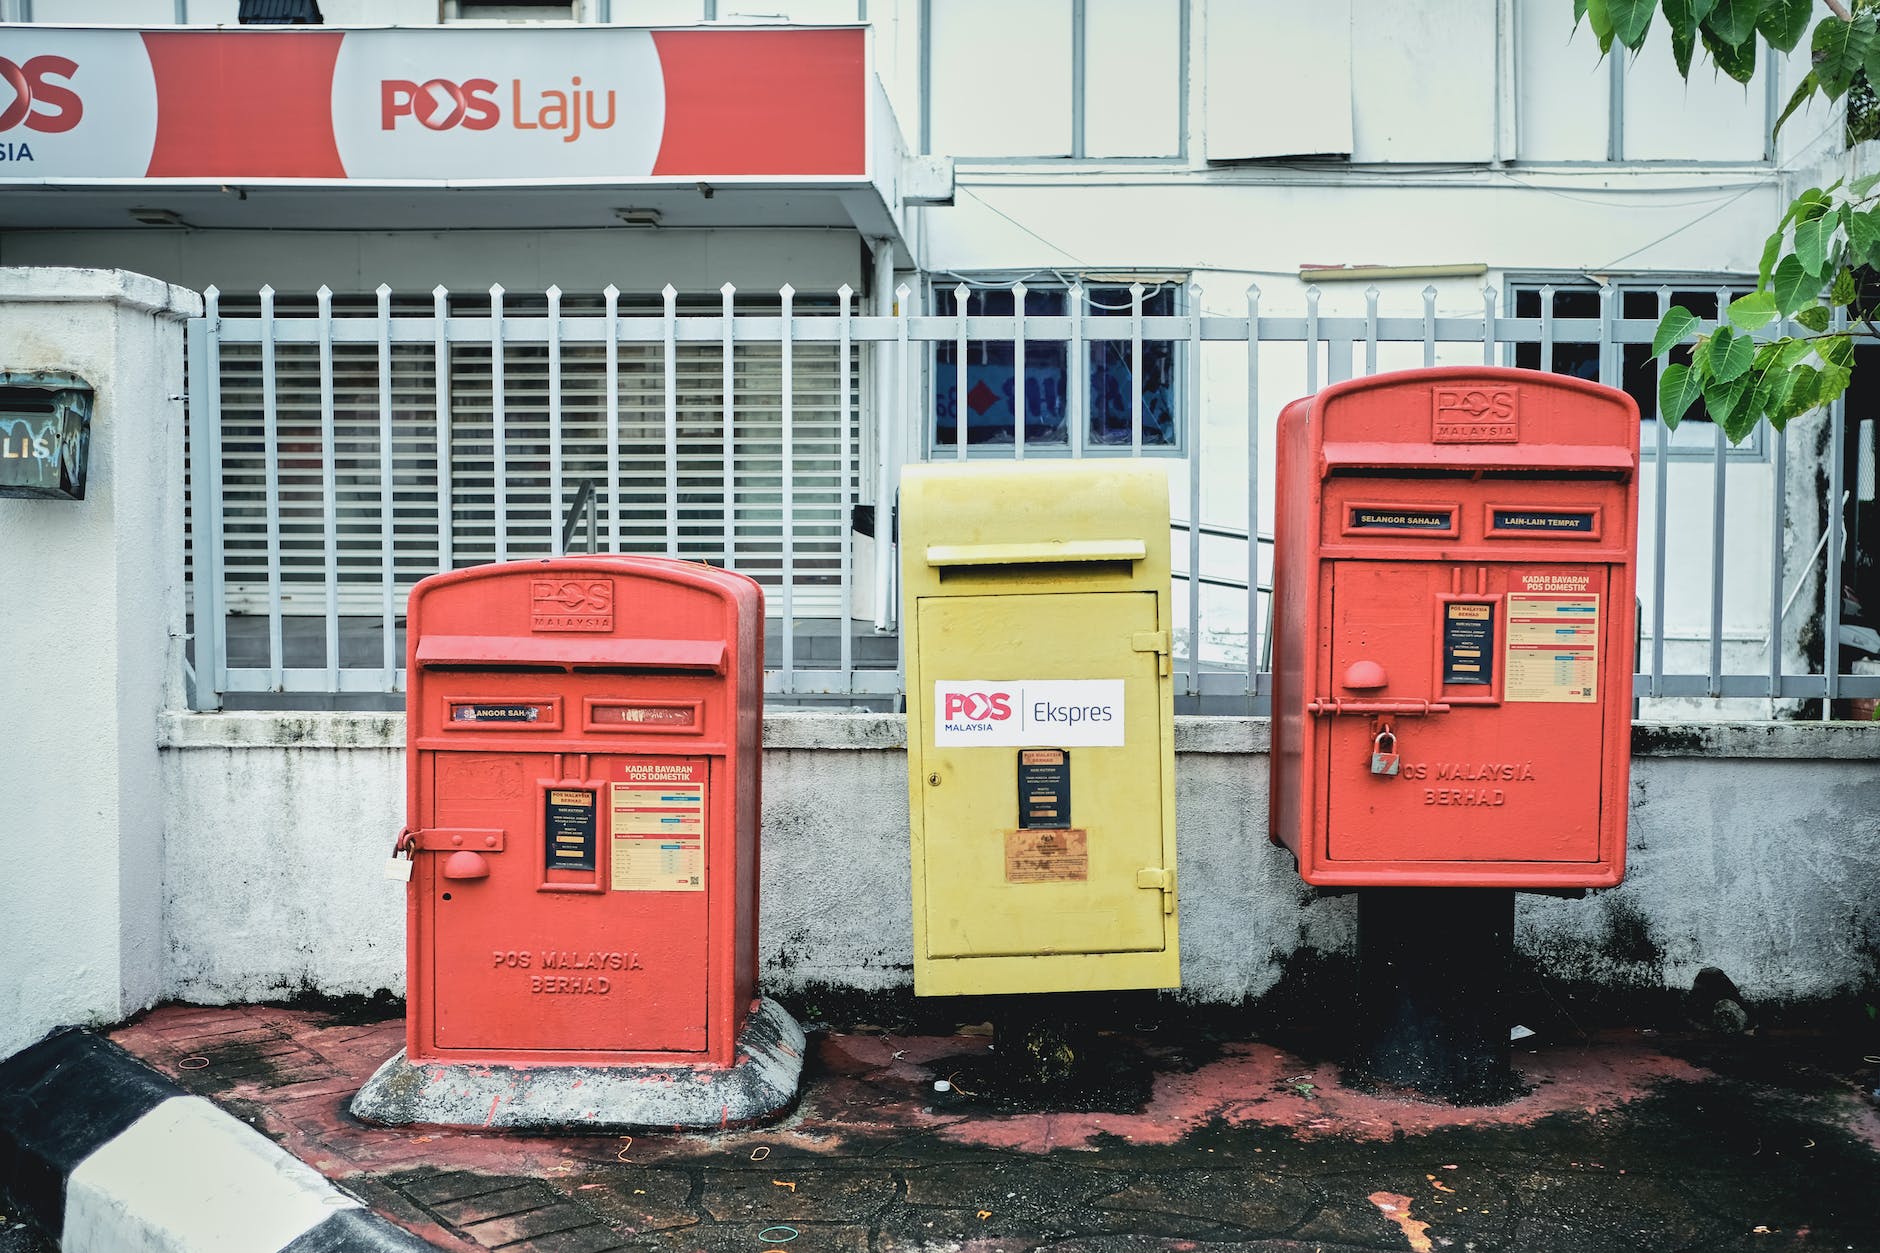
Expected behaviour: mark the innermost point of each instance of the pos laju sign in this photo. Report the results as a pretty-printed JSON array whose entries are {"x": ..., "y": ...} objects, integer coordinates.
[{"x": 469, "y": 105}]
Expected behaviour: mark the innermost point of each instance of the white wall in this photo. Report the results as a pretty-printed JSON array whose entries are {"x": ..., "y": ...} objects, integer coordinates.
[
  {"x": 1750, "y": 849},
  {"x": 93, "y": 628}
]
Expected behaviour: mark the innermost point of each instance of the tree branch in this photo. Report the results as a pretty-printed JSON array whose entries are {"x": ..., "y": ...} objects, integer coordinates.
[{"x": 1839, "y": 10}]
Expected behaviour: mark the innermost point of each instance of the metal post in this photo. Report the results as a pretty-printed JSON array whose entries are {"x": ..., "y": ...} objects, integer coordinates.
[{"x": 1433, "y": 979}]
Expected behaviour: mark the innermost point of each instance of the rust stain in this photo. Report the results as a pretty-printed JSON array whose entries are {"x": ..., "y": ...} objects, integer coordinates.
[{"x": 1397, "y": 1208}]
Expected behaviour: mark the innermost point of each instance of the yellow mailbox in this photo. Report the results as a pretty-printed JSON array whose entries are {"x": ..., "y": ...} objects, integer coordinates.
[{"x": 1040, "y": 726}]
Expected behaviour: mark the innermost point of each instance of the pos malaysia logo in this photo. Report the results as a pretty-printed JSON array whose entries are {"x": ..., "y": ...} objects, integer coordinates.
[
  {"x": 1021, "y": 712},
  {"x": 469, "y": 104},
  {"x": 41, "y": 98}
]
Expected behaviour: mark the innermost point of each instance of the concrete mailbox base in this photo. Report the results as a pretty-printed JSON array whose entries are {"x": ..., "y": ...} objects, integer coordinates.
[{"x": 762, "y": 1082}]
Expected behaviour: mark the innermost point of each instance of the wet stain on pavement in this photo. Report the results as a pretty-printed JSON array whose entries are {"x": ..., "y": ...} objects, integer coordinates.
[{"x": 1679, "y": 1144}]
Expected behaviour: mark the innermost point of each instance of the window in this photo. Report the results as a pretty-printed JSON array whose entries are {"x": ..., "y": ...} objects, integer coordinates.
[
  {"x": 992, "y": 373},
  {"x": 1055, "y": 78},
  {"x": 514, "y": 11},
  {"x": 1573, "y": 298}
]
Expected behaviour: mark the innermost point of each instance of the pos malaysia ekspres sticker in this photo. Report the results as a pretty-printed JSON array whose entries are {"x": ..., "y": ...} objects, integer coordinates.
[{"x": 1015, "y": 712}]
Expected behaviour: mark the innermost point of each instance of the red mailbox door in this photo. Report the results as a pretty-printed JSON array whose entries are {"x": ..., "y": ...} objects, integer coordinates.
[
  {"x": 548, "y": 919},
  {"x": 583, "y": 807},
  {"x": 1506, "y": 763},
  {"x": 1453, "y": 630}
]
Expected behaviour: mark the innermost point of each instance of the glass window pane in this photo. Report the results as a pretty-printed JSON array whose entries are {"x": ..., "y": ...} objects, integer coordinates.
[
  {"x": 1711, "y": 118},
  {"x": 1112, "y": 368},
  {"x": 1132, "y": 78},
  {"x": 1560, "y": 64},
  {"x": 1001, "y": 78},
  {"x": 992, "y": 377}
]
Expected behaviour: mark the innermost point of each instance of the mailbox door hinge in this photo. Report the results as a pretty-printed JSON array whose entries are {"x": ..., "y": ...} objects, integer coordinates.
[
  {"x": 1152, "y": 642},
  {"x": 1157, "y": 877}
]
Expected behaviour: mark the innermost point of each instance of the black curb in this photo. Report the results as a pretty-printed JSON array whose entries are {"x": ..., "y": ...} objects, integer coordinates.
[
  {"x": 358, "y": 1231},
  {"x": 66, "y": 1097},
  {"x": 60, "y": 1101}
]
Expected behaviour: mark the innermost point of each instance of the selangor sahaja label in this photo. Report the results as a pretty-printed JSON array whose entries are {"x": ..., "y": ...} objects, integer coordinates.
[{"x": 1067, "y": 713}]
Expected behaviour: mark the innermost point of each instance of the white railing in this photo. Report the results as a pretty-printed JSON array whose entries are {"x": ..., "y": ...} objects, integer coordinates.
[{"x": 341, "y": 450}]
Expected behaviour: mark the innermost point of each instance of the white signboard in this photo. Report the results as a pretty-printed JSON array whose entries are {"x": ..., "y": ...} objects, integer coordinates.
[{"x": 1069, "y": 713}]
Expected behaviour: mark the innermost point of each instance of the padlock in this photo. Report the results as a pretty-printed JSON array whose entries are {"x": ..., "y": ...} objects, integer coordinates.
[{"x": 1384, "y": 759}]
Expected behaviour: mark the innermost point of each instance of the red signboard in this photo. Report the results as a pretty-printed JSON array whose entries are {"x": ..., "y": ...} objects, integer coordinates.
[{"x": 463, "y": 105}]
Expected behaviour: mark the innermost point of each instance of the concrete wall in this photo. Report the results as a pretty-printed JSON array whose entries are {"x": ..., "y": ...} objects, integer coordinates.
[
  {"x": 1754, "y": 847},
  {"x": 91, "y": 627}
]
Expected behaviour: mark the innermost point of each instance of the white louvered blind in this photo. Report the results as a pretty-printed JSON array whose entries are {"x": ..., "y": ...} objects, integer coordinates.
[{"x": 530, "y": 519}]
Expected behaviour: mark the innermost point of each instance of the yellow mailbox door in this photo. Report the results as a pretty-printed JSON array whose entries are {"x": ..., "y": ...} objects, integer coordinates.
[
  {"x": 1030, "y": 693},
  {"x": 1040, "y": 728}
]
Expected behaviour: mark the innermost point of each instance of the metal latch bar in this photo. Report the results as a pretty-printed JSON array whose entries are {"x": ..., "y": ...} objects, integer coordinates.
[
  {"x": 450, "y": 839},
  {"x": 1333, "y": 705}
]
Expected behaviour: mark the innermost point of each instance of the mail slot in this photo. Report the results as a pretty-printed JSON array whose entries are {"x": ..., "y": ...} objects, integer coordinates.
[
  {"x": 1453, "y": 630},
  {"x": 1040, "y": 729},
  {"x": 582, "y": 799}
]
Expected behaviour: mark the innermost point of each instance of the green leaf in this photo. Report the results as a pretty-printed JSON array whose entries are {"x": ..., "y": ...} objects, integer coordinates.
[
  {"x": 1772, "y": 389},
  {"x": 1700, "y": 9},
  {"x": 1813, "y": 242},
  {"x": 1732, "y": 22},
  {"x": 1720, "y": 398},
  {"x": 1729, "y": 355},
  {"x": 1753, "y": 311},
  {"x": 1801, "y": 398},
  {"x": 1631, "y": 19},
  {"x": 1741, "y": 418},
  {"x": 1599, "y": 17},
  {"x": 1834, "y": 381},
  {"x": 1815, "y": 318},
  {"x": 1793, "y": 285},
  {"x": 1792, "y": 352},
  {"x": 1766, "y": 268},
  {"x": 1839, "y": 50},
  {"x": 1845, "y": 288},
  {"x": 1672, "y": 328},
  {"x": 1810, "y": 205},
  {"x": 1859, "y": 188},
  {"x": 1736, "y": 60},
  {"x": 1678, "y": 390},
  {"x": 1579, "y": 11},
  {"x": 1681, "y": 16},
  {"x": 1837, "y": 351},
  {"x": 1782, "y": 22},
  {"x": 1804, "y": 91},
  {"x": 1863, "y": 237}
]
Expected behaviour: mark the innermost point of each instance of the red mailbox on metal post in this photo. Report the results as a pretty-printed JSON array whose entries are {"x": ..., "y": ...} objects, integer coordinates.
[
  {"x": 582, "y": 754},
  {"x": 1453, "y": 630}
]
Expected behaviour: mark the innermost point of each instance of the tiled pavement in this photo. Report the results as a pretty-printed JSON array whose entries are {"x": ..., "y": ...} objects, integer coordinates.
[{"x": 1626, "y": 1142}]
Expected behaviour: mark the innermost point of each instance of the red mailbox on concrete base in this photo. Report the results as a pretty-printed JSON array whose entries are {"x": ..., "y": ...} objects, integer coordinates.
[
  {"x": 1453, "y": 630},
  {"x": 581, "y": 848}
]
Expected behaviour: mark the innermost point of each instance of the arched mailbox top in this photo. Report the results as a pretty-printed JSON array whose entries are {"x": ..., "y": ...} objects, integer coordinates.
[
  {"x": 612, "y": 610},
  {"x": 1482, "y": 417}
]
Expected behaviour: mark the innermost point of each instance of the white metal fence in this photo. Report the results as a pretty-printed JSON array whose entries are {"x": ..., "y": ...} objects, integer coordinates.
[{"x": 343, "y": 447}]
